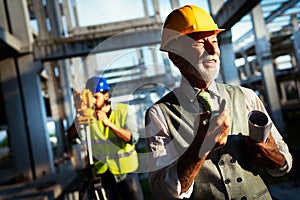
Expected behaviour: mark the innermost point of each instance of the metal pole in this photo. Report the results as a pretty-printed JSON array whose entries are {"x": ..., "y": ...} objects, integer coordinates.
[{"x": 98, "y": 185}]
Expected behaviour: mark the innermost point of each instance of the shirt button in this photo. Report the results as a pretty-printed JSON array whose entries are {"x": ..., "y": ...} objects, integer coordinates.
[
  {"x": 244, "y": 198},
  {"x": 221, "y": 162},
  {"x": 232, "y": 160},
  {"x": 239, "y": 179},
  {"x": 227, "y": 181}
]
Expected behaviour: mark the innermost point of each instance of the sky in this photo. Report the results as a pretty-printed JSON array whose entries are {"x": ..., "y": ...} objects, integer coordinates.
[
  {"x": 102, "y": 11},
  {"x": 97, "y": 12}
]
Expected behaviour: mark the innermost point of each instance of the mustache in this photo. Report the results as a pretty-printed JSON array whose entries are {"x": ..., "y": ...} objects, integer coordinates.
[{"x": 209, "y": 59}]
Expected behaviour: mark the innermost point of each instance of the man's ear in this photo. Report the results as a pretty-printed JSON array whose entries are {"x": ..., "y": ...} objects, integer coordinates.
[{"x": 106, "y": 96}]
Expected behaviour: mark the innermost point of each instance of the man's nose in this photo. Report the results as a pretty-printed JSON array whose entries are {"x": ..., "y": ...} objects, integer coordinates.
[{"x": 210, "y": 48}]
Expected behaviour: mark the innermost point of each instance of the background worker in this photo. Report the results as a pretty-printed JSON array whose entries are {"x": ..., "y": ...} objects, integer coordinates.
[
  {"x": 199, "y": 154},
  {"x": 113, "y": 138}
]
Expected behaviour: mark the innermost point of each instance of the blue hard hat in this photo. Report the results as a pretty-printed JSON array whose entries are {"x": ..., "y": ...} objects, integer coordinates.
[{"x": 97, "y": 84}]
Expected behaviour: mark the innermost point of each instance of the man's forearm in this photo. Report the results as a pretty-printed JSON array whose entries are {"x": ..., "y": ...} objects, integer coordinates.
[
  {"x": 124, "y": 134},
  {"x": 187, "y": 170},
  {"x": 189, "y": 164}
]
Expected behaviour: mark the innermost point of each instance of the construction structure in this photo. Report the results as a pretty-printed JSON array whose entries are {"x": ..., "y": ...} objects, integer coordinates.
[{"x": 40, "y": 68}]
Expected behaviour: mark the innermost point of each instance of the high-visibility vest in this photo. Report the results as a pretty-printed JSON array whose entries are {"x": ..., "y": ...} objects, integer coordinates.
[{"x": 112, "y": 153}]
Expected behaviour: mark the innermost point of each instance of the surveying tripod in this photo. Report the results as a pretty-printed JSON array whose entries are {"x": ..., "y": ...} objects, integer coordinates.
[
  {"x": 84, "y": 111},
  {"x": 94, "y": 189}
]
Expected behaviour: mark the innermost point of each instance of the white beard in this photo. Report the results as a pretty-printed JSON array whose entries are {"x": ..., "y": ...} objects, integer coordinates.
[
  {"x": 211, "y": 73},
  {"x": 208, "y": 74},
  {"x": 197, "y": 68}
]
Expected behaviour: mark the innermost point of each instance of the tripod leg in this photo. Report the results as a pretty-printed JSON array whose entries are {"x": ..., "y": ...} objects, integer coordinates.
[
  {"x": 89, "y": 145},
  {"x": 98, "y": 187},
  {"x": 97, "y": 195}
]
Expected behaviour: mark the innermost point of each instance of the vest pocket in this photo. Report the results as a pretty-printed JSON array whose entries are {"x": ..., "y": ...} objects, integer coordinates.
[{"x": 126, "y": 160}]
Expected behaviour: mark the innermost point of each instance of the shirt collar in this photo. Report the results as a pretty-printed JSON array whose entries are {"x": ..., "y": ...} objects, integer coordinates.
[
  {"x": 191, "y": 93},
  {"x": 213, "y": 90}
]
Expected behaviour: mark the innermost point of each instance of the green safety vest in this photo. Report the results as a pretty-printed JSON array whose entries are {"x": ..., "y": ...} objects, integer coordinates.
[{"x": 112, "y": 153}]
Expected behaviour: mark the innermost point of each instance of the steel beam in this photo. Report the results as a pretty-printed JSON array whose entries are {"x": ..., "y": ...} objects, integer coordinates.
[
  {"x": 280, "y": 10},
  {"x": 232, "y": 11},
  {"x": 82, "y": 45}
]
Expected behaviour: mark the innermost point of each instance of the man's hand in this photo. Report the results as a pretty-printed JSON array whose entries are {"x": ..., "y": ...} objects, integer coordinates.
[
  {"x": 102, "y": 116},
  {"x": 265, "y": 154},
  {"x": 211, "y": 134},
  {"x": 217, "y": 132}
]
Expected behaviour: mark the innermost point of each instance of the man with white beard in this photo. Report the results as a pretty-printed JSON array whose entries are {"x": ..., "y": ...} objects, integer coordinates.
[{"x": 200, "y": 146}]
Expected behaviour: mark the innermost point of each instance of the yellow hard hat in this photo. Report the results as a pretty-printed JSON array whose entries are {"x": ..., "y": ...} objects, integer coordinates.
[{"x": 185, "y": 20}]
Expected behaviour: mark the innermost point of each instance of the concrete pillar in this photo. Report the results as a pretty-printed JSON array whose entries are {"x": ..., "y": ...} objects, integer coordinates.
[
  {"x": 19, "y": 23},
  {"x": 30, "y": 145},
  {"x": 65, "y": 103},
  {"x": 141, "y": 62},
  {"x": 66, "y": 90},
  {"x": 54, "y": 15},
  {"x": 67, "y": 14},
  {"x": 174, "y": 4},
  {"x": 76, "y": 62},
  {"x": 74, "y": 7},
  {"x": 64, "y": 68},
  {"x": 156, "y": 69},
  {"x": 283, "y": 92},
  {"x": 229, "y": 72},
  {"x": 247, "y": 66},
  {"x": 298, "y": 88},
  {"x": 146, "y": 10},
  {"x": 156, "y": 11},
  {"x": 18, "y": 132},
  {"x": 41, "y": 20},
  {"x": 61, "y": 103},
  {"x": 90, "y": 67},
  {"x": 140, "y": 56},
  {"x": 263, "y": 52},
  {"x": 3, "y": 20},
  {"x": 81, "y": 73},
  {"x": 36, "y": 115},
  {"x": 228, "y": 68},
  {"x": 32, "y": 153},
  {"x": 296, "y": 39},
  {"x": 56, "y": 105},
  {"x": 253, "y": 68},
  {"x": 214, "y": 6}
]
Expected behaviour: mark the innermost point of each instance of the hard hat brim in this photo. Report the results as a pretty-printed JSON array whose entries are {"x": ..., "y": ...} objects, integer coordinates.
[{"x": 175, "y": 35}]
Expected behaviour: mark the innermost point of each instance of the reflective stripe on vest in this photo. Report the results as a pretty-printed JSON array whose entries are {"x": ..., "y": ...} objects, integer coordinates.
[{"x": 113, "y": 153}]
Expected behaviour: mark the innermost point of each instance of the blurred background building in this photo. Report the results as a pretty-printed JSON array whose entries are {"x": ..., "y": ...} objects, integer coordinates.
[{"x": 48, "y": 48}]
